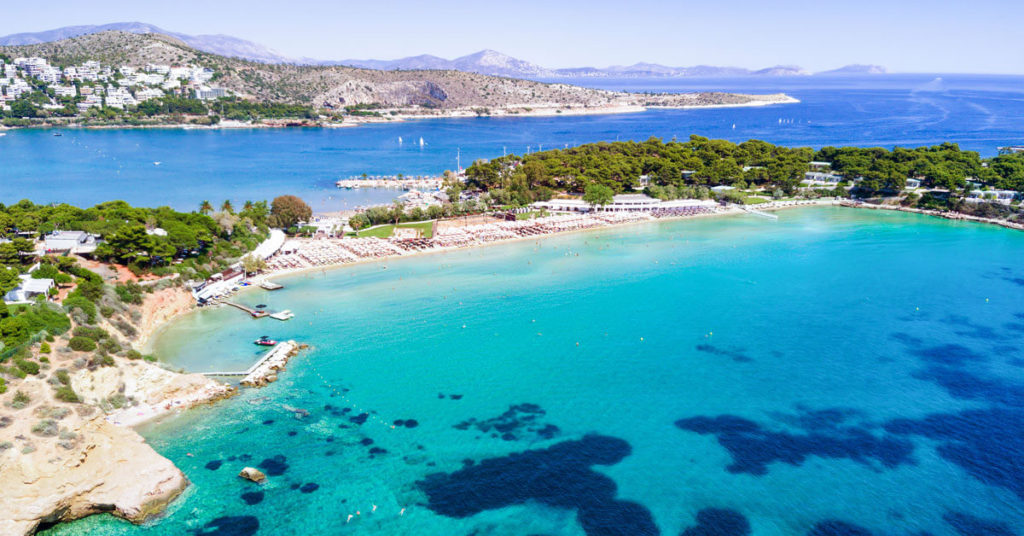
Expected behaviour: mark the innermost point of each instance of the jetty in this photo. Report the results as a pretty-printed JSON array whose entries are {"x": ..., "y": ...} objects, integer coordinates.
[
  {"x": 270, "y": 285},
  {"x": 264, "y": 370},
  {"x": 760, "y": 213},
  {"x": 255, "y": 313}
]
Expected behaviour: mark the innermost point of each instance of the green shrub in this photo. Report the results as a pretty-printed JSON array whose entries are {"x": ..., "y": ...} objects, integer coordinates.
[
  {"x": 66, "y": 394},
  {"x": 129, "y": 293},
  {"x": 96, "y": 334},
  {"x": 110, "y": 345},
  {"x": 107, "y": 311},
  {"x": 82, "y": 344},
  {"x": 101, "y": 359},
  {"x": 3, "y": 386},
  {"x": 87, "y": 307},
  {"x": 45, "y": 348},
  {"x": 63, "y": 377},
  {"x": 20, "y": 400},
  {"x": 90, "y": 290},
  {"x": 28, "y": 367},
  {"x": 133, "y": 355}
]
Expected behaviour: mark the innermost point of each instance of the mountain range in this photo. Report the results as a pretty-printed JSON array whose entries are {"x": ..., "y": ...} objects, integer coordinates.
[
  {"x": 223, "y": 45},
  {"x": 488, "y": 62}
]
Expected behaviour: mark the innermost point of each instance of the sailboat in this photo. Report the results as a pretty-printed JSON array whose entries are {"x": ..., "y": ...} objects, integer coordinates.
[
  {"x": 399, "y": 140},
  {"x": 422, "y": 142}
]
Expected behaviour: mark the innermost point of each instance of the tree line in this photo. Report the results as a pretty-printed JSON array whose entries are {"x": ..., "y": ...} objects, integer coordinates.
[{"x": 689, "y": 168}]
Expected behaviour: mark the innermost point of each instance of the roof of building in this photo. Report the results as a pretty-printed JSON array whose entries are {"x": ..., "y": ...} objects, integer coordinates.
[
  {"x": 66, "y": 235},
  {"x": 28, "y": 284},
  {"x": 633, "y": 198}
]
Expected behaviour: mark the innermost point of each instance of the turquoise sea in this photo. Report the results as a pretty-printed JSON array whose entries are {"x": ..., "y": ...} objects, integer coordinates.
[
  {"x": 85, "y": 167},
  {"x": 837, "y": 371}
]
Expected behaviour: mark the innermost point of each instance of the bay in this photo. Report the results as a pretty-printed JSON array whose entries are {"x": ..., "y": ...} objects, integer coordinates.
[{"x": 837, "y": 368}]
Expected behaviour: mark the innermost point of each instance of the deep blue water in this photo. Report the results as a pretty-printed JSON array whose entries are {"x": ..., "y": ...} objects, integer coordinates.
[
  {"x": 90, "y": 166},
  {"x": 835, "y": 372}
]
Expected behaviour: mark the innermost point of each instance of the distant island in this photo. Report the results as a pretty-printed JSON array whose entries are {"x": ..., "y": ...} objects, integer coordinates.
[
  {"x": 119, "y": 78},
  {"x": 487, "y": 62}
]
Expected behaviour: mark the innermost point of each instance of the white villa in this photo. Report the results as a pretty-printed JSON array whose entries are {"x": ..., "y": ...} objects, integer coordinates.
[
  {"x": 28, "y": 289},
  {"x": 1004, "y": 197},
  {"x": 817, "y": 178},
  {"x": 76, "y": 242}
]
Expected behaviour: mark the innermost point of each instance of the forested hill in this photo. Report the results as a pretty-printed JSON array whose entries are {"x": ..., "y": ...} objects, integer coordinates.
[
  {"x": 337, "y": 86},
  {"x": 704, "y": 162}
]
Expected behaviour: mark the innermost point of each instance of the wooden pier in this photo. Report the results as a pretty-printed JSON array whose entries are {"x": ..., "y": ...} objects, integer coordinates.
[{"x": 255, "y": 313}]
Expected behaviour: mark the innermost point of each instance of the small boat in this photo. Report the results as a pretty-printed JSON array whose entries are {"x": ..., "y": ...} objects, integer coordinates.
[
  {"x": 57, "y": 134},
  {"x": 268, "y": 285},
  {"x": 265, "y": 341},
  {"x": 282, "y": 315},
  {"x": 261, "y": 306}
]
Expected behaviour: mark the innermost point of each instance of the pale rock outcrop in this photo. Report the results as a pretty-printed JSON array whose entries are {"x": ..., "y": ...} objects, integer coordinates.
[{"x": 110, "y": 469}]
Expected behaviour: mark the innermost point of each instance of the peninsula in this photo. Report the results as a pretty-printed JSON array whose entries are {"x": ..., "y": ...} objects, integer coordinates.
[{"x": 126, "y": 79}]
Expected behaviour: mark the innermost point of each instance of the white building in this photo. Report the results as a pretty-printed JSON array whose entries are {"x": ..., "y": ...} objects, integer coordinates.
[
  {"x": 91, "y": 101},
  {"x": 120, "y": 98},
  {"x": 28, "y": 289},
  {"x": 817, "y": 178},
  {"x": 211, "y": 93},
  {"x": 1004, "y": 197},
  {"x": 144, "y": 94},
  {"x": 70, "y": 241},
  {"x": 623, "y": 203},
  {"x": 65, "y": 91}
]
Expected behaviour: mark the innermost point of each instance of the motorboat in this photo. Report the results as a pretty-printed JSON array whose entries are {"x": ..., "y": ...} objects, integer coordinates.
[{"x": 265, "y": 341}]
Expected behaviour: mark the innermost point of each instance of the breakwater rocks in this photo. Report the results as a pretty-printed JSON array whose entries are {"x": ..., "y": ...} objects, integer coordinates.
[{"x": 265, "y": 370}]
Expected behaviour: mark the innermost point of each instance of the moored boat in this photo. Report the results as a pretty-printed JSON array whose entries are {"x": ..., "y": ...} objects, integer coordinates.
[{"x": 265, "y": 341}]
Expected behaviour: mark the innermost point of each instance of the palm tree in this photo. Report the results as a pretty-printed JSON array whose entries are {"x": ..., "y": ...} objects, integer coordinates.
[
  {"x": 226, "y": 207},
  {"x": 247, "y": 206},
  {"x": 205, "y": 207}
]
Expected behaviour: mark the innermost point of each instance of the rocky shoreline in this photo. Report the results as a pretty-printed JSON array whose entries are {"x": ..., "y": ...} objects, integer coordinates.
[{"x": 60, "y": 462}]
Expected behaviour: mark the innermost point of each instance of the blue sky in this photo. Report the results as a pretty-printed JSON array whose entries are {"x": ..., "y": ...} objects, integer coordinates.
[{"x": 981, "y": 36}]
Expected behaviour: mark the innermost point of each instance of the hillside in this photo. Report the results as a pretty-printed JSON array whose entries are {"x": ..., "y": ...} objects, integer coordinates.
[
  {"x": 225, "y": 45},
  {"x": 339, "y": 86}
]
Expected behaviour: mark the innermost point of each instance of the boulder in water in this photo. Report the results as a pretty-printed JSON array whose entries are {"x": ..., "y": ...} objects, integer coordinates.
[{"x": 253, "y": 474}]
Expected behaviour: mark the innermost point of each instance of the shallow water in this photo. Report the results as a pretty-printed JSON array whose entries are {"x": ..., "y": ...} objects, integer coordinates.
[{"x": 832, "y": 370}]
